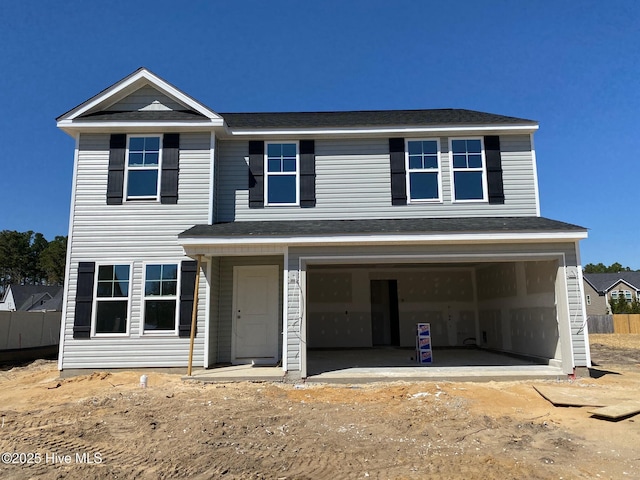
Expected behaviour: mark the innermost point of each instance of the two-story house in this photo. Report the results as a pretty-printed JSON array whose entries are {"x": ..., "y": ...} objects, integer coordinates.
[
  {"x": 308, "y": 230},
  {"x": 601, "y": 288}
]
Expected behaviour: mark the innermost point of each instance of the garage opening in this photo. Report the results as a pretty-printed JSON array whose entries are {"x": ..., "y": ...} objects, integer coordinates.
[{"x": 499, "y": 313}]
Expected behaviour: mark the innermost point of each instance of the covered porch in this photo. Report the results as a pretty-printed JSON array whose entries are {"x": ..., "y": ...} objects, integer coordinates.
[{"x": 344, "y": 308}]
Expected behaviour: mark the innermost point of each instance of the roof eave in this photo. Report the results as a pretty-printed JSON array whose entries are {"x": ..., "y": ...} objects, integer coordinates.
[
  {"x": 373, "y": 239},
  {"x": 77, "y": 126},
  {"x": 415, "y": 129}
]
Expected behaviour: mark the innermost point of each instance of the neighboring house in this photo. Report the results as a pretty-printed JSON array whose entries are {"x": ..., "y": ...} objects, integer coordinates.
[
  {"x": 24, "y": 298},
  {"x": 314, "y": 230},
  {"x": 601, "y": 288}
]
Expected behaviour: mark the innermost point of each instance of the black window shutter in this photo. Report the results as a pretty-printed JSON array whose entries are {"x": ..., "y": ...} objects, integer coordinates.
[
  {"x": 187, "y": 295},
  {"x": 256, "y": 174},
  {"x": 494, "y": 169},
  {"x": 115, "y": 179},
  {"x": 307, "y": 174},
  {"x": 170, "y": 167},
  {"x": 84, "y": 300},
  {"x": 398, "y": 172}
]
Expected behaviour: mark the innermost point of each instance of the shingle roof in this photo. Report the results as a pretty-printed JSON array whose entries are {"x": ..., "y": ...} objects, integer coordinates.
[
  {"x": 53, "y": 304},
  {"x": 147, "y": 115},
  {"x": 370, "y": 118},
  {"x": 354, "y": 119},
  {"x": 602, "y": 282},
  {"x": 380, "y": 226},
  {"x": 24, "y": 296}
]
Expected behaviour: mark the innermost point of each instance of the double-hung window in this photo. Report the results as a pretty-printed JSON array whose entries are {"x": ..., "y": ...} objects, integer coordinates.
[
  {"x": 423, "y": 170},
  {"x": 112, "y": 299},
  {"x": 160, "y": 297},
  {"x": 469, "y": 171},
  {"x": 614, "y": 294},
  {"x": 282, "y": 174},
  {"x": 143, "y": 167}
]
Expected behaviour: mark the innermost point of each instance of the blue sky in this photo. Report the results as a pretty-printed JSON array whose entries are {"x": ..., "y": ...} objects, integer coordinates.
[{"x": 573, "y": 66}]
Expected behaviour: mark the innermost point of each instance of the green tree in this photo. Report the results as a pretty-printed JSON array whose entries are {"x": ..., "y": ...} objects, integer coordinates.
[
  {"x": 602, "y": 268},
  {"x": 14, "y": 257},
  {"x": 622, "y": 305},
  {"x": 35, "y": 274},
  {"x": 52, "y": 260},
  {"x": 27, "y": 258}
]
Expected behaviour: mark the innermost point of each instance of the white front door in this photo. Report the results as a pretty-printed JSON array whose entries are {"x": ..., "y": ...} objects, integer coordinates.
[{"x": 255, "y": 314}]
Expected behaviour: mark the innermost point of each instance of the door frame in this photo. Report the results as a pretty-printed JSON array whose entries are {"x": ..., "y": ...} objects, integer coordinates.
[{"x": 274, "y": 271}]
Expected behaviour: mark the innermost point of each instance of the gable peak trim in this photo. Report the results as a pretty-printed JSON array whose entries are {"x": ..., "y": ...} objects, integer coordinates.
[{"x": 129, "y": 84}]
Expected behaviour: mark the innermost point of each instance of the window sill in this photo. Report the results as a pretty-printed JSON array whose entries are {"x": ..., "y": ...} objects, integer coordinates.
[
  {"x": 422, "y": 202},
  {"x": 153, "y": 333},
  {"x": 143, "y": 199},
  {"x": 110, "y": 335}
]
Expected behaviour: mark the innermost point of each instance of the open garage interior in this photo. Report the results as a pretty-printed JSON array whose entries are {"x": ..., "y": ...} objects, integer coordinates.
[{"x": 482, "y": 313}]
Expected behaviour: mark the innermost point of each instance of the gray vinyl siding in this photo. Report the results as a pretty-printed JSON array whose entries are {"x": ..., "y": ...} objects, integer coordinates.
[
  {"x": 294, "y": 315},
  {"x": 353, "y": 181},
  {"x": 144, "y": 97},
  {"x": 598, "y": 302},
  {"x": 133, "y": 233},
  {"x": 491, "y": 253},
  {"x": 214, "y": 315},
  {"x": 225, "y": 302}
]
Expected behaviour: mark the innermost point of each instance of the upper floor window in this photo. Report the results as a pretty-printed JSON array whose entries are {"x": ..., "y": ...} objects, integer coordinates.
[
  {"x": 614, "y": 294},
  {"x": 423, "y": 170},
  {"x": 143, "y": 167},
  {"x": 282, "y": 174},
  {"x": 112, "y": 299},
  {"x": 468, "y": 167},
  {"x": 627, "y": 295},
  {"x": 160, "y": 298},
  {"x": 588, "y": 299}
]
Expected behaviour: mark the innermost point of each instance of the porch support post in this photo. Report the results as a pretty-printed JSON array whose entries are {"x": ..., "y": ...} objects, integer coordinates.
[{"x": 194, "y": 315}]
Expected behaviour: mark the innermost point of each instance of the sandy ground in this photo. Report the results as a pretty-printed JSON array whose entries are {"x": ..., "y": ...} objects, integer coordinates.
[{"x": 105, "y": 426}]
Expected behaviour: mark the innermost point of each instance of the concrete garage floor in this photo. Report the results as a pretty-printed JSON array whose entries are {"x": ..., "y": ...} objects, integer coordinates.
[
  {"x": 456, "y": 364},
  {"x": 391, "y": 364}
]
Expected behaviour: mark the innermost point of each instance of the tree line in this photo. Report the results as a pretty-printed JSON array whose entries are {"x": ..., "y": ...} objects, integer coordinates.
[
  {"x": 602, "y": 268},
  {"x": 27, "y": 258}
]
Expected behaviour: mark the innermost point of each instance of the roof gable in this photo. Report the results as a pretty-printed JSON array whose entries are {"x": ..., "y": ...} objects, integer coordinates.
[
  {"x": 603, "y": 282},
  {"x": 140, "y": 94},
  {"x": 25, "y": 296},
  {"x": 146, "y": 98}
]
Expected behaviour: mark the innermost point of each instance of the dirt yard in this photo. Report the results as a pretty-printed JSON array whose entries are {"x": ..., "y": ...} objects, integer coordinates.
[{"x": 105, "y": 426}]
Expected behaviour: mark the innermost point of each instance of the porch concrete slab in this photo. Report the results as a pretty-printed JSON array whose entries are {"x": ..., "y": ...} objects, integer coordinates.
[
  {"x": 392, "y": 364},
  {"x": 238, "y": 373}
]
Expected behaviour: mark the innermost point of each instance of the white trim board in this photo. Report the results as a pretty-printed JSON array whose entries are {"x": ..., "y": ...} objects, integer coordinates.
[
  {"x": 444, "y": 130},
  {"x": 386, "y": 239}
]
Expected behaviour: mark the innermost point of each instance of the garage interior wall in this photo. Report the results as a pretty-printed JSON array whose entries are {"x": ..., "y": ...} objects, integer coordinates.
[{"x": 506, "y": 306}]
